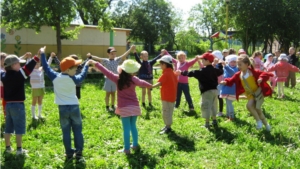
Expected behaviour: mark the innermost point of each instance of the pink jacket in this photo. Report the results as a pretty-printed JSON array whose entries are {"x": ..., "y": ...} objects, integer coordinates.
[
  {"x": 126, "y": 97},
  {"x": 183, "y": 66},
  {"x": 282, "y": 70}
]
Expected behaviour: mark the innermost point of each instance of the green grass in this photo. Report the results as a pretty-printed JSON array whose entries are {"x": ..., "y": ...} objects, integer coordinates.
[{"x": 233, "y": 145}]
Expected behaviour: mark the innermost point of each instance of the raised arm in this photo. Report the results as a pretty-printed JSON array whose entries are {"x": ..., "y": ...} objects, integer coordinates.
[
  {"x": 123, "y": 57},
  {"x": 153, "y": 61},
  {"x": 293, "y": 68},
  {"x": 80, "y": 77},
  {"x": 137, "y": 58},
  {"x": 229, "y": 70},
  {"x": 230, "y": 81},
  {"x": 141, "y": 83},
  {"x": 48, "y": 71},
  {"x": 110, "y": 75},
  {"x": 192, "y": 62},
  {"x": 28, "y": 68}
]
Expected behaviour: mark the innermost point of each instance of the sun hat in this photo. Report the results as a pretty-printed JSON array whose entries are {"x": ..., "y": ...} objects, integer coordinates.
[
  {"x": 231, "y": 58},
  {"x": 69, "y": 62},
  {"x": 208, "y": 56},
  {"x": 218, "y": 54},
  {"x": 166, "y": 58},
  {"x": 111, "y": 49},
  {"x": 12, "y": 59},
  {"x": 241, "y": 51},
  {"x": 130, "y": 66},
  {"x": 283, "y": 57}
]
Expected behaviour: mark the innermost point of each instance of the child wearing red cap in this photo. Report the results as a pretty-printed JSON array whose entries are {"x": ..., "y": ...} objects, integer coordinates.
[{"x": 208, "y": 82}]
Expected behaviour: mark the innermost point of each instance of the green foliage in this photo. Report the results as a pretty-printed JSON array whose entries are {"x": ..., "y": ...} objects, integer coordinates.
[
  {"x": 17, "y": 47},
  {"x": 235, "y": 144},
  {"x": 3, "y": 45},
  {"x": 150, "y": 20}
]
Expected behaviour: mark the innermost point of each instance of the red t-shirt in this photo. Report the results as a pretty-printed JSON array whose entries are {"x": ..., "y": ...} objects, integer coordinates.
[{"x": 168, "y": 89}]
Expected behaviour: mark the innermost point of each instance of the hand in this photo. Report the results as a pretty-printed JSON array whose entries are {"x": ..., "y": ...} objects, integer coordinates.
[
  {"x": 43, "y": 49},
  {"x": 185, "y": 73},
  {"x": 88, "y": 55},
  {"x": 132, "y": 47},
  {"x": 197, "y": 57},
  {"x": 178, "y": 72},
  {"x": 91, "y": 62},
  {"x": 163, "y": 52},
  {"x": 53, "y": 54},
  {"x": 222, "y": 62},
  {"x": 223, "y": 82},
  {"x": 259, "y": 81},
  {"x": 28, "y": 55}
]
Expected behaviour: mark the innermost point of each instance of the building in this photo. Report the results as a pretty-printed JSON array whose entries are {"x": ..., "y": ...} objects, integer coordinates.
[{"x": 90, "y": 40}]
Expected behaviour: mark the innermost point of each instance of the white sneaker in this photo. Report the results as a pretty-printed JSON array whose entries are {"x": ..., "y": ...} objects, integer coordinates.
[
  {"x": 220, "y": 114},
  {"x": 9, "y": 151},
  {"x": 259, "y": 125},
  {"x": 35, "y": 118},
  {"x": 22, "y": 152},
  {"x": 268, "y": 127}
]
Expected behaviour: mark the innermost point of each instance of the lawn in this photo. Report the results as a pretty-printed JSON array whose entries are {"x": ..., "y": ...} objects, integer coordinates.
[{"x": 234, "y": 145}]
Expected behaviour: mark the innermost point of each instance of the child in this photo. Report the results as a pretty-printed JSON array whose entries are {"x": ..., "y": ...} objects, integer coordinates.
[
  {"x": 65, "y": 97},
  {"x": 14, "y": 94},
  {"x": 146, "y": 73},
  {"x": 229, "y": 92},
  {"x": 168, "y": 82},
  {"x": 258, "y": 63},
  {"x": 218, "y": 56},
  {"x": 37, "y": 83},
  {"x": 292, "y": 59},
  {"x": 282, "y": 69},
  {"x": 111, "y": 64},
  {"x": 128, "y": 106},
  {"x": 183, "y": 83},
  {"x": 3, "y": 56},
  {"x": 249, "y": 81},
  {"x": 268, "y": 64},
  {"x": 208, "y": 82}
]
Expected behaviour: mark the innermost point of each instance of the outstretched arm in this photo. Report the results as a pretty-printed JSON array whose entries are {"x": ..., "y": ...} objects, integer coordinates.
[
  {"x": 110, "y": 75},
  {"x": 123, "y": 57},
  {"x": 137, "y": 58},
  {"x": 80, "y": 77},
  {"x": 48, "y": 71}
]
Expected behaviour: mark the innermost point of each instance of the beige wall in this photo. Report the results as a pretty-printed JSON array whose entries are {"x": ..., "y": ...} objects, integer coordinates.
[{"x": 90, "y": 39}]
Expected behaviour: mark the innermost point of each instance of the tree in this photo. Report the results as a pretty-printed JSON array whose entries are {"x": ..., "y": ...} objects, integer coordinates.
[
  {"x": 36, "y": 13},
  {"x": 150, "y": 21}
]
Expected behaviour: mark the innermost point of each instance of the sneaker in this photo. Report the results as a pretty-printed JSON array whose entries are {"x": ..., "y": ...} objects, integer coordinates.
[
  {"x": 143, "y": 104},
  {"x": 113, "y": 108},
  {"x": 215, "y": 124},
  {"x": 166, "y": 131},
  {"x": 150, "y": 105},
  {"x": 207, "y": 126},
  {"x": 22, "y": 152},
  {"x": 230, "y": 119},
  {"x": 107, "y": 109},
  {"x": 268, "y": 127},
  {"x": 35, "y": 118},
  {"x": 162, "y": 129},
  {"x": 259, "y": 125},
  {"x": 9, "y": 150},
  {"x": 79, "y": 158},
  {"x": 192, "y": 109},
  {"x": 127, "y": 152},
  {"x": 220, "y": 114},
  {"x": 135, "y": 147},
  {"x": 41, "y": 117}
]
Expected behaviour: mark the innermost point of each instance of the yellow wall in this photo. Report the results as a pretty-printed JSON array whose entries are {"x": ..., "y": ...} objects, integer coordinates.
[{"x": 67, "y": 50}]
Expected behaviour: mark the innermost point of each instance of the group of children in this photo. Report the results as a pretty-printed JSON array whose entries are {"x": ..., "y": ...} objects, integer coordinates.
[{"x": 218, "y": 79}]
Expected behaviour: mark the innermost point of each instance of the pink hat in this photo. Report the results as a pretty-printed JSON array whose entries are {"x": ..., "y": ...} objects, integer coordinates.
[{"x": 241, "y": 51}]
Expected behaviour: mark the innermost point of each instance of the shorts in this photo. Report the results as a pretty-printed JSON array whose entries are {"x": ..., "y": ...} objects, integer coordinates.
[
  {"x": 149, "y": 81},
  {"x": 209, "y": 103},
  {"x": 15, "y": 118},
  {"x": 109, "y": 86},
  {"x": 38, "y": 92}
]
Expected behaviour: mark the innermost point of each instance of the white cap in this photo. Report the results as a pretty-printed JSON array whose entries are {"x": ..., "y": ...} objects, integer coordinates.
[
  {"x": 218, "y": 54},
  {"x": 231, "y": 58},
  {"x": 166, "y": 59},
  {"x": 283, "y": 57}
]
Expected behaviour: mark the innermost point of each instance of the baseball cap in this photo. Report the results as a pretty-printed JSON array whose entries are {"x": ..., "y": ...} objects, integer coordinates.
[
  {"x": 208, "y": 56},
  {"x": 69, "y": 62},
  {"x": 12, "y": 59},
  {"x": 111, "y": 49},
  {"x": 166, "y": 59}
]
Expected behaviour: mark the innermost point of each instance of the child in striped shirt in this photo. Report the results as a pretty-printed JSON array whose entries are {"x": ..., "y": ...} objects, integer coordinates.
[{"x": 37, "y": 83}]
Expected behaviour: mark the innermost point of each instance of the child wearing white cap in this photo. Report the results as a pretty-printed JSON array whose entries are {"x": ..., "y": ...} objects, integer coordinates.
[
  {"x": 128, "y": 105},
  {"x": 282, "y": 69},
  {"x": 269, "y": 63}
]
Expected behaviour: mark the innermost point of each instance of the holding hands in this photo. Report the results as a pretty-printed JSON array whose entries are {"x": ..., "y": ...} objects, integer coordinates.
[{"x": 53, "y": 54}]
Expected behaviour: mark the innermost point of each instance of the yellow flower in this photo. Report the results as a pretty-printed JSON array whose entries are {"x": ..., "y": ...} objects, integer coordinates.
[{"x": 18, "y": 38}]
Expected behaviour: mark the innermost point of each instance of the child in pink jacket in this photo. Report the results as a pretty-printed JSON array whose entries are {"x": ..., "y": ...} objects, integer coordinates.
[
  {"x": 282, "y": 69},
  {"x": 258, "y": 63},
  {"x": 268, "y": 64}
]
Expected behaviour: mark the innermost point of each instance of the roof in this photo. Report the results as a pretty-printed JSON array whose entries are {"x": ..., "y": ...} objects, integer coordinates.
[{"x": 96, "y": 27}]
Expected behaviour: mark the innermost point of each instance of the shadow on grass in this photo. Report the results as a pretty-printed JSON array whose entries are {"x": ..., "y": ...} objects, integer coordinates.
[
  {"x": 267, "y": 115},
  {"x": 288, "y": 98},
  {"x": 191, "y": 113},
  {"x": 183, "y": 143},
  {"x": 240, "y": 122},
  {"x": 277, "y": 139},
  {"x": 35, "y": 123},
  {"x": 149, "y": 110},
  {"x": 222, "y": 134},
  {"x": 13, "y": 161},
  {"x": 141, "y": 159},
  {"x": 73, "y": 164},
  {"x": 2, "y": 129}
]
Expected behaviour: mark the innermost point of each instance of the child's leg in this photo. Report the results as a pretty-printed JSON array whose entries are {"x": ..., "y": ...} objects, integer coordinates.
[
  {"x": 179, "y": 93},
  {"x": 143, "y": 94},
  {"x": 273, "y": 83},
  {"x": 134, "y": 131},
  {"x": 40, "y": 102},
  {"x": 76, "y": 124},
  {"x": 65, "y": 124},
  {"x": 3, "y": 107},
  {"x": 230, "y": 110},
  {"x": 280, "y": 88},
  {"x": 149, "y": 95},
  {"x": 262, "y": 117},
  {"x": 214, "y": 105},
  {"x": 186, "y": 92},
  {"x": 221, "y": 104},
  {"x": 168, "y": 108},
  {"x": 251, "y": 108},
  {"x": 34, "y": 100},
  {"x": 126, "y": 132},
  {"x": 78, "y": 94},
  {"x": 113, "y": 98},
  {"x": 107, "y": 95}
]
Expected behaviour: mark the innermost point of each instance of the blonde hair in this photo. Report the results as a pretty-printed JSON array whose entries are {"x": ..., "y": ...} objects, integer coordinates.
[
  {"x": 143, "y": 52},
  {"x": 180, "y": 53},
  {"x": 246, "y": 60},
  {"x": 257, "y": 53}
]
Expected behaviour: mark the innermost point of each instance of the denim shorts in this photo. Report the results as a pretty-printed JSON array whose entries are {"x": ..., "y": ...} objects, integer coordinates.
[{"x": 15, "y": 118}]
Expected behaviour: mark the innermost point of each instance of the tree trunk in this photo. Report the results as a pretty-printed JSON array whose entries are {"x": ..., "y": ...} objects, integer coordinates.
[
  {"x": 81, "y": 14},
  {"x": 58, "y": 40}
]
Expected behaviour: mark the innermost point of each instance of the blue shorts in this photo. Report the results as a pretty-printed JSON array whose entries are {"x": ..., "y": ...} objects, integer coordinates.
[{"x": 15, "y": 118}]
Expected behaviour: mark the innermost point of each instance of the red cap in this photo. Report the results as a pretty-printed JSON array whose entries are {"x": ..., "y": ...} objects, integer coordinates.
[{"x": 208, "y": 56}]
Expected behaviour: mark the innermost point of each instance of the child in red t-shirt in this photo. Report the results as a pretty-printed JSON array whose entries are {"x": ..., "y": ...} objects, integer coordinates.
[{"x": 168, "y": 82}]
